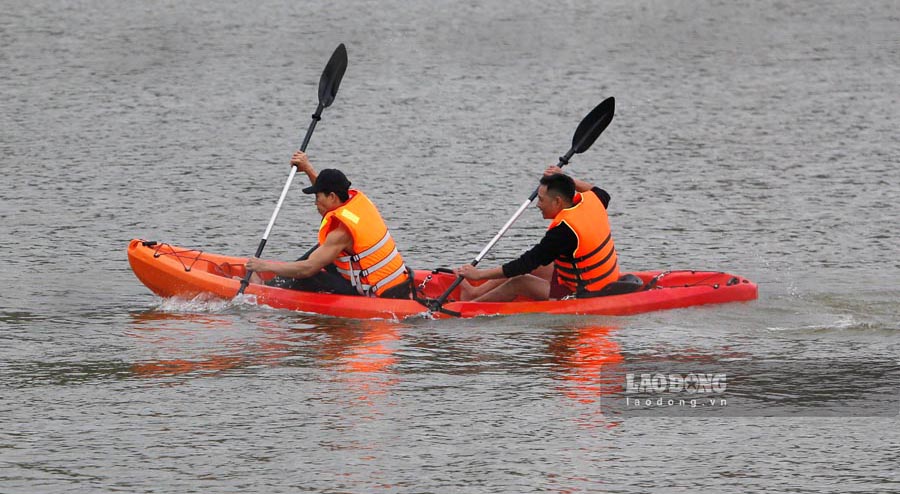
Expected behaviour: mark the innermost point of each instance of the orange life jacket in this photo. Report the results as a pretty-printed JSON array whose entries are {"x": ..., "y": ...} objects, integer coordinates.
[
  {"x": 594, "y": 264},
  {"x": 373, "y": 265}
]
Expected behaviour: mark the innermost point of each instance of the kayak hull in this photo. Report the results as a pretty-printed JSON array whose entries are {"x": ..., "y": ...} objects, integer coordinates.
[{"x": 171, "y": 271}]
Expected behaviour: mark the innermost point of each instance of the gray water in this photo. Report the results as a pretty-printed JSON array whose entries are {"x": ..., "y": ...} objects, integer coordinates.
[{"x": 759, "y": 138}]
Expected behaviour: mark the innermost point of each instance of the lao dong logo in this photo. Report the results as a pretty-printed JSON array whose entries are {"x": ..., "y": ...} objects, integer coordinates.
[{"x": 676, "y": 383}]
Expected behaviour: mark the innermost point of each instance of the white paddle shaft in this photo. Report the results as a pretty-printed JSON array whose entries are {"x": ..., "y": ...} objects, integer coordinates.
[
  {"x": 287, "y": 186},
  {"x": 502, "y": 231}
]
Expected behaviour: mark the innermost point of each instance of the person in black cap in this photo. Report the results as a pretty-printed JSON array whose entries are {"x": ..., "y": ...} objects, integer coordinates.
[{"x": 355, "y": 255}]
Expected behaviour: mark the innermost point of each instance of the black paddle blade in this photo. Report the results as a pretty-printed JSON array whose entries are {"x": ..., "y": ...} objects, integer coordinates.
[
  {"x": 332, "y": 75},
  {"x": 593, "y": 125}
]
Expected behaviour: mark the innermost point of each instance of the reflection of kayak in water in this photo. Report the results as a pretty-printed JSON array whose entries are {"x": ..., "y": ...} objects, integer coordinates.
[
  {"x": 352, "y": 347},
  {"x": 171, "y": 271},
  {"x": 588, "y": 357}
]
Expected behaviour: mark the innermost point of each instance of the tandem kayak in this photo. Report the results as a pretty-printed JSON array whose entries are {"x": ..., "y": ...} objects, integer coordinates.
[{"x": 171, "y": 271}]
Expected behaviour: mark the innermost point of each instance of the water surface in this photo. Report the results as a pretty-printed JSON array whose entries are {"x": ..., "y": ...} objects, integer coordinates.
[{"x": 757, "y": 138}]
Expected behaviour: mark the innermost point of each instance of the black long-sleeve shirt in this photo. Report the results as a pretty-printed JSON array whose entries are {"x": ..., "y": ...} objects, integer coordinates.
[{"x": 557, "y": 242}]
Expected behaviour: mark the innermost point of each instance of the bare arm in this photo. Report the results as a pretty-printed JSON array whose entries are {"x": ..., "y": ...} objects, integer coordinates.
[
  {"x": 472, "y": 273},
  {"x": 301, "y": 161},
  {"x": 580, "y": 185},
  {"x": 337, "y": 240}
]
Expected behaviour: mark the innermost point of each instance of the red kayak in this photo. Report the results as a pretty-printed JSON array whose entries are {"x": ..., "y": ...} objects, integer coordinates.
[{"x": 171, "y": 271}]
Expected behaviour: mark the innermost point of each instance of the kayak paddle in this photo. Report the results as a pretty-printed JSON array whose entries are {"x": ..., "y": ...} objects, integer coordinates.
[
  {"x": 587, "y": 132},
  {"x": 328, "y": 88}
]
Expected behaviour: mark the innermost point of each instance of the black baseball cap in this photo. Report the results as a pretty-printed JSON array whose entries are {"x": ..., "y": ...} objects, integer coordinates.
[{"x": 329, "y": 180}]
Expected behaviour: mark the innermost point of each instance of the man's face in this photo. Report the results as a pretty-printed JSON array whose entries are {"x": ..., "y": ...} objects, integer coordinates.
[
  {"x": 549, "y": 204},
  {"x": 327, "y": 201}
]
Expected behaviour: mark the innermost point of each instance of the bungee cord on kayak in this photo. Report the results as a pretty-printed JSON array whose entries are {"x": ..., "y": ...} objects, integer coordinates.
[{"x": 181, "y": 255}]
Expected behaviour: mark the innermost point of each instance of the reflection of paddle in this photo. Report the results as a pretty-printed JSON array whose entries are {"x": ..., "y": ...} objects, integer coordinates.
[
  {"x": 328, "y": 88},
  {"x": 587, "y": 132}
]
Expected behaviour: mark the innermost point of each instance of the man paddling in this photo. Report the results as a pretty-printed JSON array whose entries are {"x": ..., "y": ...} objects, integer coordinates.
[
  {"x": 356, "y": 254},
  {"x": 578, "y": 242}
]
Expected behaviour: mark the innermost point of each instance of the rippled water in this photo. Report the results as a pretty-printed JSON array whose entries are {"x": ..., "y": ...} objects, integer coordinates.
[{"x": 758, "y": 138}]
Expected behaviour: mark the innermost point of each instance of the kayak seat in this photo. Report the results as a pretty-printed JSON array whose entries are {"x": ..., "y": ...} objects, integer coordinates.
[{"x": 627, "y": 283}]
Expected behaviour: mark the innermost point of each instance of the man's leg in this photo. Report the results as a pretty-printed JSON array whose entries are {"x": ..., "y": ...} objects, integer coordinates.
[
  {"x": 545, "y": 272},
  {"x": 326, "y": 281},
  {"x": 527, "y": 285},
  {"x": 470, "y": 292}
]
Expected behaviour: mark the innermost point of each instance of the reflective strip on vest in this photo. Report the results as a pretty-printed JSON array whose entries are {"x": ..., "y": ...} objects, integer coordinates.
[
  {"x": 377, "y": 265},
  {"x": 371, "y": 289},
  {"x": 384, "y": 262},
  {"x": 368, "y": 252},
  {"x": 356, "y": 276},
  {"x": 365, "y": 272}
]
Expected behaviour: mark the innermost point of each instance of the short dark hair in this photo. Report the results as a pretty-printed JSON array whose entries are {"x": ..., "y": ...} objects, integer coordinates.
[
  {"x": 560, "y": 184},
  {"x": 343, "y": 195}
]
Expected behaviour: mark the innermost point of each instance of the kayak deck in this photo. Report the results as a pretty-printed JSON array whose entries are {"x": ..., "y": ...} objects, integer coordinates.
[{"x": 171, "y": 271}]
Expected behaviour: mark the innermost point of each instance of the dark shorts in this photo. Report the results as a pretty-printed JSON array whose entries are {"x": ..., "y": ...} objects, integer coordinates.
[
  {"x": 558, "y": 291},
  {"x": 330, "y": 281},
  {"x": 326, "y": 281}
]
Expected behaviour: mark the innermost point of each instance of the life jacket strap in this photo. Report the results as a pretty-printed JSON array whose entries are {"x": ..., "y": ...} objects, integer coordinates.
[
  {"x": 583, "y": 284},
  {"x": 384, "y": 262},
  {"x": 577, "y": 271},
  {"x": 371, "y": 250},
  {"x": 372, "y": 290},
  {"x": 583, "y": 258}
]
